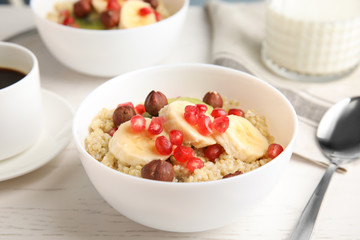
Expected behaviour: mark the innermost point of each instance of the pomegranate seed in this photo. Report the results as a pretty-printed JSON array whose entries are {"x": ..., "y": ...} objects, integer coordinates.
[
  {"x": 161, "y": 119},
  {"x": 236, "y": 111},
  {"x": 140, "y": 109},
  {"x": 155, "y": 126},
  {"x": 69, "y": 21},
  {"x": 176, "y": 137},
  {"x": 221, "y": 124},
  {"x": 202, "y": 108},
  {"x": 194, "y": 163},
  {"x": 183, "y": 153},
  {"x": 112, "y": 131},
  {"x": 213, "y": 152},
  {"x": 191, "y": 117},
  {"x": 191, "y": 108},
  {"x": 191, "y": 114},
  {"x": 64, "y": 13},
  {"x": 113, "y": 5},
  {"x": 274, "y": 150},
  {"x": 126, "y": 104},
  {"x": 145, "y": 11},
  {"x": 138, "y": 123},
  {"x": 204, "y": 125},
  {"x": 218, "y": 112},
  {"x": 157, "y": 16},
  {"x": 163, "y": 145}
]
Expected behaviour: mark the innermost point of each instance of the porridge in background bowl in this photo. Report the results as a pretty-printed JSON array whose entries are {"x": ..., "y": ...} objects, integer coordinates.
[
  {"x": 181, "y": 139},
  {"x": 108, "y": 14},
  {"x": 191, "y": 206}
]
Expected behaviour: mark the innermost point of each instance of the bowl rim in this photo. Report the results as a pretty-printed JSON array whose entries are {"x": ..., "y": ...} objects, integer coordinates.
[
  {"x": 286, "y": 150},
  {"x": 183, "y": 8}
]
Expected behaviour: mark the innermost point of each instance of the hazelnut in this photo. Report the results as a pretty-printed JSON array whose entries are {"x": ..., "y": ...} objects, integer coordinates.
[
  {"x": 123, "y": 114},
  {"x": 232, "y": 174},
  {"x": 154, "y": 3},
  {"x": 154, "y": 102},
  {"x": 110, "y": 18},
  {"x": 82, "y": 8},
  {"x": 214, "y": 99},
  {"x": 158, "y": 170}
]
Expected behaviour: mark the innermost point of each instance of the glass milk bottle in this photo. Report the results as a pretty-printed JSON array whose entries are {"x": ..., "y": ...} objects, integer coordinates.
[{"x": 312, "y": 40}]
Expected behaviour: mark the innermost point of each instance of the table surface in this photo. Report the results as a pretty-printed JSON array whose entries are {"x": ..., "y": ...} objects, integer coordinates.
[{"x": 57, "y": 201}]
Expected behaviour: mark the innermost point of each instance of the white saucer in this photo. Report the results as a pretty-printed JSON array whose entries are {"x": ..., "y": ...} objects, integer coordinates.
[{"x": 55, "y": 137}]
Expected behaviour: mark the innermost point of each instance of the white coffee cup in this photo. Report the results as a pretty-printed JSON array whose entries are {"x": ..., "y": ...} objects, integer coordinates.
[{"x": 21, "y": 117}]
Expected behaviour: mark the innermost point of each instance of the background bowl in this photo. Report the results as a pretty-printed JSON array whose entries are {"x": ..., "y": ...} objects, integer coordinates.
[
  {"x": 187, "y": 207},
  {"x": 109, "y": 52}
]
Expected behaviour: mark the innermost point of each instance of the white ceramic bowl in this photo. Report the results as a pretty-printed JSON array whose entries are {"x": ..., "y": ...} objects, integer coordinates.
[
  {"x": 187, "y": 207},
  {"x": 109, "y": 52}
]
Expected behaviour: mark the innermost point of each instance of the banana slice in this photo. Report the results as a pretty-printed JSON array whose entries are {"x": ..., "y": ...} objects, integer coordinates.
[
  {"x": 133, "y": 148},
  {"x": 121, "y": 2},
  {"x": 162, "y": 10},
  {"x": 99, "y": 5},
  {"x": 130, "y": 17},
  {"x": 55, "y": 16},
  {"x": 174, "y": 119},
  {"x": 60, "y": 6},
  {"x": 242, "y": 140}
]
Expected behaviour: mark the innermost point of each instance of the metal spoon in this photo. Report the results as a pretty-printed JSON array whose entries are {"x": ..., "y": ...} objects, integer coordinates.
[{"x": 338, "y": 135}]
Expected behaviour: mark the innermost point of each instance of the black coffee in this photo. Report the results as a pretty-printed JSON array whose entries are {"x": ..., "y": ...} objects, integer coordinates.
[{"x": 9, "y": 76}]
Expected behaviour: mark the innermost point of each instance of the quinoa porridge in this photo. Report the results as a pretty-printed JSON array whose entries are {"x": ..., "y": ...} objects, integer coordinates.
[{"x": 182, "y": 139}]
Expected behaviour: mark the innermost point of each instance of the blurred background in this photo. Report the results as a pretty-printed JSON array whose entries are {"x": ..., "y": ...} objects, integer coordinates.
[{"x": 22, "y": 2}]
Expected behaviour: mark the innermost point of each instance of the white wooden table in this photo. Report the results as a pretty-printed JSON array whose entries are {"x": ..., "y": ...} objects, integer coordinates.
[{"x": 57, "y": 201}]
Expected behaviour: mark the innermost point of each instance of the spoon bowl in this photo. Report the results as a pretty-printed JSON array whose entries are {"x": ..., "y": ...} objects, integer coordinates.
[{"x": 338, "y": 135}]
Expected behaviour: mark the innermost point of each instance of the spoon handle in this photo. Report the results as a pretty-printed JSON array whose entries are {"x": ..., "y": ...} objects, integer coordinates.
[{"x": 308, "y": 217}]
